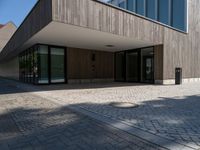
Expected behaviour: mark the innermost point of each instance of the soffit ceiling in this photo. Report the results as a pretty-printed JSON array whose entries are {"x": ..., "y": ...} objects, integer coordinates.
[{"x": 61, "y": 34}]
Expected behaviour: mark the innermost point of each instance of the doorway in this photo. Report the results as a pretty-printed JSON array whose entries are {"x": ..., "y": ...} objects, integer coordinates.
[
  {"x": 148, "y": 69},
  {"x": 132, "y": 66},
  {"x": 147, "y": 65},
  {"x": 120, "y": 66},
  {"x": 135, "y": 65}
]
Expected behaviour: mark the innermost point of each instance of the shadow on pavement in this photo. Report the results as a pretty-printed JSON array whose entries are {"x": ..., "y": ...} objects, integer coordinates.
[{"x": 11, "y": 86}]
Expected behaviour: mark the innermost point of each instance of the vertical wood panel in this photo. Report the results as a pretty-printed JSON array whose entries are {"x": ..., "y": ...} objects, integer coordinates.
[
  {"x": 183, "y": 50},
  {"x": 104, "y": 18},
  {"x": 81, "y": 66},
  {"x": 179, "y": 50}
]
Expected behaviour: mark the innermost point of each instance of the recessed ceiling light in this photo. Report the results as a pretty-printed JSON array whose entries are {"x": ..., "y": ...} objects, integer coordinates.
[{"x": 110, "y": 46}]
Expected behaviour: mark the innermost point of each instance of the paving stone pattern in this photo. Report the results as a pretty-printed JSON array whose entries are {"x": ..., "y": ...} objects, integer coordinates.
[
  {"x": 28, "y": 121},
  {"x": 171, "y": 111}
]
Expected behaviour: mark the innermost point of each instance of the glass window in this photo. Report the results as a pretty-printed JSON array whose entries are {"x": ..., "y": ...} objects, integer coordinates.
[
  {"x": 132, "y": 65},
  {"x": 119, "y": 66},
  {"x": 26, "y": 68},
  {"x": 122, "y": 5},
  {"x": 164, "y": 11},
  {"x": 141, "y": 6},
  {"x": 23, "y": 67},
  {"x": 35, "y": 65},
  {"x": 20, "y": 68},
  {"x": 57, "y": 65},
  {"x": 152, "y": 9},
  {"x": 32, "y": 65},
  {"x": 114, "y": 2},
  {"x": 29, "y": 63},
  {"x": 179, "y": 9},
  {"x": 147, "y": 65},
  {"x": 131, "y": 5},
  {"x": 43, "y": 77},
  {"x": 169, "y": 12}
]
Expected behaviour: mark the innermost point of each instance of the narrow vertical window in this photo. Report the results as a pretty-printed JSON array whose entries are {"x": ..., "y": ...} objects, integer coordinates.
[
  {"x": 57, "y": 65},
  {"x": 152, "y": 9},
  {"x": 43, "y": 65},
  {"x": 179, "y": 14},
  {"x": 131, "y": 5},
  {"x": 164, "y": 11},
  {"x": 122, "y": 5},
  {"x": 141, "y": 7}
]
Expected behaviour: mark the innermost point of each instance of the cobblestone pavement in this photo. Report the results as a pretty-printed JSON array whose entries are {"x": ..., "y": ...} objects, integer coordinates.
[
  {"x": 28, "y": 121},
  {"x": 171, "y": 112}
]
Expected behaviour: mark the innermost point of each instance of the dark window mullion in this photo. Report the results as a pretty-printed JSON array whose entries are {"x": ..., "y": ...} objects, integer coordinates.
[
  {"x": 49, "y": 64},
  {"x": 145, "y": 7},
  {"x": 171, "y": 12},
  {"x": 65, "y": 65}
]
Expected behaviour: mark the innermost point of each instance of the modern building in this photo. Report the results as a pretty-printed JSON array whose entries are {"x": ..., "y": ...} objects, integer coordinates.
[{"x": 78, "y": 41}]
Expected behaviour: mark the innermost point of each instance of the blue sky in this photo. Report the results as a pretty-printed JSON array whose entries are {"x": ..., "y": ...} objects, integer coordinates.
[{"x": 15, "y": 10}]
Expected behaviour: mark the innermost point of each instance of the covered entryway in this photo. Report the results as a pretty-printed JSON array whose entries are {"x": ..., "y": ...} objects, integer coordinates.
[
  {"x": 91, "y": 59},
  {"x": 135, "y": 65}
]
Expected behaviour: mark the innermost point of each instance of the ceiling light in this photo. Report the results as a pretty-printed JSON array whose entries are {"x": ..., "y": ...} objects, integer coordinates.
[{"x": 110, "y": 46}]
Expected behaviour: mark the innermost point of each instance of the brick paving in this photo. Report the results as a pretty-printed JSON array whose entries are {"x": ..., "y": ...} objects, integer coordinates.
[
  {"x": 170, "y": 111},
  {"x": 28, "y": 121}
]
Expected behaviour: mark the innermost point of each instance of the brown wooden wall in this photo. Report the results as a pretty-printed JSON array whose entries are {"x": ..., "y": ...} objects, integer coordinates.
[
  {"x": 39, "y": 17},
  {"x": 183, "y": 50},
  {"x": 179, "y": 49},
  {"x": 97, "y": 16},
  {"x": 81, "y": 66}
]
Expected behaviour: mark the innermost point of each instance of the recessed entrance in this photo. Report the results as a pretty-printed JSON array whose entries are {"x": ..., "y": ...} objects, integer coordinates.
[
  {"x": 135, "y": 65},
  {"x": 132, "y": 66}
]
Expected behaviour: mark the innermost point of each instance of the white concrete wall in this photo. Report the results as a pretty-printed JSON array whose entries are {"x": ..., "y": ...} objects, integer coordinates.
[{"x": 10, "y": 69}]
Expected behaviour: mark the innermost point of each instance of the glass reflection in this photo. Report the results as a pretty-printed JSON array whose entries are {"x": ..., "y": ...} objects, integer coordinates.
[{"x": 57, "y": 65}]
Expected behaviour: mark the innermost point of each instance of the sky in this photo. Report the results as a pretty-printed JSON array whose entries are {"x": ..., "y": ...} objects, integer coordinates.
[{"x": 15, "y": 10}]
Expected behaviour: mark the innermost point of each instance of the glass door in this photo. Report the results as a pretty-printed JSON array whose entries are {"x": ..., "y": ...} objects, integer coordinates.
[
  {"x": 135, "y": 65},
  {"x": 57, "y": 61},
  {"x": 147, "y": 65},
  {"x": 43, "y": 65},
  {"x": 120, "y": 66},
  {"x": 132, "y": 66},
  {"x": 148, "y": 69}
]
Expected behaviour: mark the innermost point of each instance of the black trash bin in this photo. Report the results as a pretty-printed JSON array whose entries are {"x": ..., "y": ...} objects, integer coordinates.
[{"x": 178, "y": 76}]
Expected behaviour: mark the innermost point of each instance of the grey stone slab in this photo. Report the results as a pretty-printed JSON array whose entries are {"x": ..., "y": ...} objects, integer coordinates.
[
  {"x": 163, "y": 142},
  {"x": 43, "y": 124}
]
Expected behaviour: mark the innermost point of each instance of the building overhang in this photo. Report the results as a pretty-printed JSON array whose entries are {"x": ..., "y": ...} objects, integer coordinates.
[
  {"x": 61, "y": 34},
  {"x": 86, "y": 24}
]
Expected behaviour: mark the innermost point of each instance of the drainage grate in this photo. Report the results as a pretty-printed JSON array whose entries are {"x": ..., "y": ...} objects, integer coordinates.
[{"x": 124, "y": 105}]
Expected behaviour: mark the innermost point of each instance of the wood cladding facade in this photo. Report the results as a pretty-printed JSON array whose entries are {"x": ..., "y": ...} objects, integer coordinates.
[
  {"x": 183, "y": 50},
  {"x": 179, "y": 49},
  {"x": 89, "y": 64},
  {"x": 176, "y": 49},
  {"x": 97, "y": 16}
]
